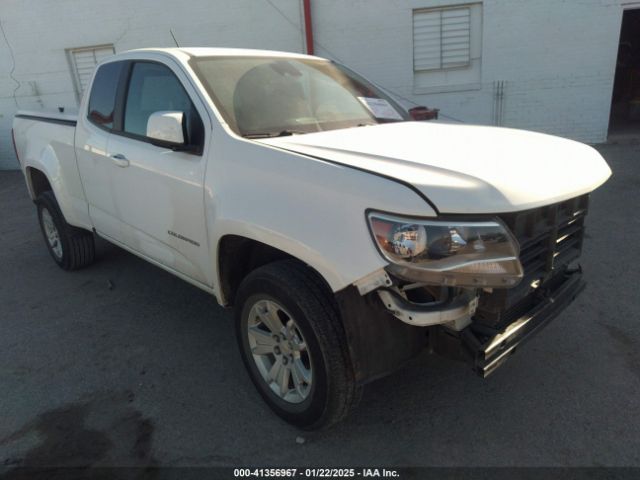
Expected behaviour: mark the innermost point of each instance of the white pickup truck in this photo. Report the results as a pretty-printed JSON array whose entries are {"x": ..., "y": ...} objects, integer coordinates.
[{"x": 347, "y": 236}]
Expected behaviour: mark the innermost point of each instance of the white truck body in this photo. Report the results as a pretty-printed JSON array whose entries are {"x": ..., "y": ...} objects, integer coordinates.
[{"x": 306, "y": 195}]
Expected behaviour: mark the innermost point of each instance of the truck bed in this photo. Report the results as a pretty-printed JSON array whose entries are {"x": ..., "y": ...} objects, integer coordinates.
[
  {"x": 34, "y": 132},
  {"x": 45, "y": 141}
]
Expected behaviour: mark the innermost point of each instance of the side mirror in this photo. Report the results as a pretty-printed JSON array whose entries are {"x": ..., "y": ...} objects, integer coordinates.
[{"x": 166, "y": 127}]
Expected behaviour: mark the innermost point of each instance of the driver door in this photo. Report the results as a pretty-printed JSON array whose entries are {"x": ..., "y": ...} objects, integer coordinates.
[{"x": 158, "y": 191}]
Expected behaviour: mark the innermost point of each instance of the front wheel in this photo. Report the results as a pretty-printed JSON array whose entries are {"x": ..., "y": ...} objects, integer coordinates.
[{"x": 293, "y": 345}]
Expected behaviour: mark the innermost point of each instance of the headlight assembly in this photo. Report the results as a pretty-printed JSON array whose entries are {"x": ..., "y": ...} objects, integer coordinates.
[{"x": 448, "y": 252}]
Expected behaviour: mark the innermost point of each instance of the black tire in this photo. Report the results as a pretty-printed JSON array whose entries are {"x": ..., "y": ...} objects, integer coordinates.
[
  {"x": 304, "y": 294},
  {"x": 77, "y": 245}
]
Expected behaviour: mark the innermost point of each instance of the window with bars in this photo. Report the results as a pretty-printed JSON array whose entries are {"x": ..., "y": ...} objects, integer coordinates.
[
  {"x": 83, "y": 62},
  {"x": 442, "y": 38}
]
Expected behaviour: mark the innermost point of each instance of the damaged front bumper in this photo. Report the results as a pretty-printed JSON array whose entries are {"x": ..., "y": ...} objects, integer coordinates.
[
  {"x": 486, "y": 348},
  {"x": 455, "y": 312},
  {"x": 379, "y": 342}
]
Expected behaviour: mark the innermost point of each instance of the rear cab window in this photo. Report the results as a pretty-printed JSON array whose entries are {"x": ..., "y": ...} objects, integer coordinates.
[{"x": 102, "y": 99}]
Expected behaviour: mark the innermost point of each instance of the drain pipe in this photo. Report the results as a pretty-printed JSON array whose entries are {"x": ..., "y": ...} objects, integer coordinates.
[{"x": 308, "y": 28}]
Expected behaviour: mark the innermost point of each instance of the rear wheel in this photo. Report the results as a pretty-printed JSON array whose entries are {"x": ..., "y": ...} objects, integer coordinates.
[
  {"x": 293, "y": 345},
  {"x": 70, "y": 247}
]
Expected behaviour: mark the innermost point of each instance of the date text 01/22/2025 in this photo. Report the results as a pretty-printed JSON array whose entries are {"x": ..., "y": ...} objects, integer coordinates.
[{"x": 315, "y": 473}]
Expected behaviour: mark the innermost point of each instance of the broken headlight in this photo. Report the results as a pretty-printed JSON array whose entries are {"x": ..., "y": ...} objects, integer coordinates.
[{"x": 448, "y": 252}]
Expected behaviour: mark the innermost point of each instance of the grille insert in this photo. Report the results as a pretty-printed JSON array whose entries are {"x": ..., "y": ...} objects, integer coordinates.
[{"x": 550, "y": 239}]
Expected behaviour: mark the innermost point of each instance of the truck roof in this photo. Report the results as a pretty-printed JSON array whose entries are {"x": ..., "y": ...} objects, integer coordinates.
[{"x": 220, "y": 52}]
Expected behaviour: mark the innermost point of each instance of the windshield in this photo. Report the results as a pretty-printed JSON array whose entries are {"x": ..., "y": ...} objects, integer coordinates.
[{"x": 274, "y": 96}]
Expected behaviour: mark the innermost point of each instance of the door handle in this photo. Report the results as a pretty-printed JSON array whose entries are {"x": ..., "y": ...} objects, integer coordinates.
[{"x": 120, "y": 160}]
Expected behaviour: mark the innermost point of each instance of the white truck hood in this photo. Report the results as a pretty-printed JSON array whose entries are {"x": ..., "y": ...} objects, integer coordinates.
[{"x": 463, "y": 168}]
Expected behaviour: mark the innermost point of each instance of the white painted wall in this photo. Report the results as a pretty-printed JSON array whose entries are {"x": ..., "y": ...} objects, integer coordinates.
[
  {"x": 556, "y": 57},
  {"x": 39, "y": 31}
]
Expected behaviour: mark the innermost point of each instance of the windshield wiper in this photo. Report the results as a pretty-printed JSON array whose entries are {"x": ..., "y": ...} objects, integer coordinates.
[{"x": 283, "y": 133}]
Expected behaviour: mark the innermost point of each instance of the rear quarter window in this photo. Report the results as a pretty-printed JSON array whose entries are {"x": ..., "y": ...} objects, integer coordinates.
[{"x": 102, "y": 97}]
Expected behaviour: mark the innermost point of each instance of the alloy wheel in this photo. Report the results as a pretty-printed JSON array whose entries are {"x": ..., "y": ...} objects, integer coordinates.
[
  {"x": 52, "y": 234},
  {"x": 279, "y": 351}
]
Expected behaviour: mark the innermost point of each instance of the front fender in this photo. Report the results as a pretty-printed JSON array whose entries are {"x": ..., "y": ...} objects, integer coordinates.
[{"x": 309, "y": 208}]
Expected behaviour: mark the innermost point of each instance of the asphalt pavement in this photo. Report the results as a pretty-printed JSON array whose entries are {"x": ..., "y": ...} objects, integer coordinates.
[{"x": 123, "y": 364}]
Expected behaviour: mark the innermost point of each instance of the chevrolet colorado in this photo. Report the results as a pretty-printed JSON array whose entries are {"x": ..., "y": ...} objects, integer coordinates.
[{"x": 347, "y": 236}]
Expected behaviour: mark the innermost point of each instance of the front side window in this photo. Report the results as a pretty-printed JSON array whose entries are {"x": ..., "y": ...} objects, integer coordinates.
[
  {"x": 271, "y": 96},
  {"x": 103, "y": 94},
  {"x": 153, "y": 88}
]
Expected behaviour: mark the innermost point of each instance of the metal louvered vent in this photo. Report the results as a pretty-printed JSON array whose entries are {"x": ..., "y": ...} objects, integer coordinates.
[
  {"x": 83, "y": 63},
  {"x": 441, "y": 38}
]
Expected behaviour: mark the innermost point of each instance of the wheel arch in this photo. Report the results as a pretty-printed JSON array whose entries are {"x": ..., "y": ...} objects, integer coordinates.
[
  {"x": 239, "y": 255},
  {"x": 37, "y": 182},
  {"x": 59, "y": 175}
]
